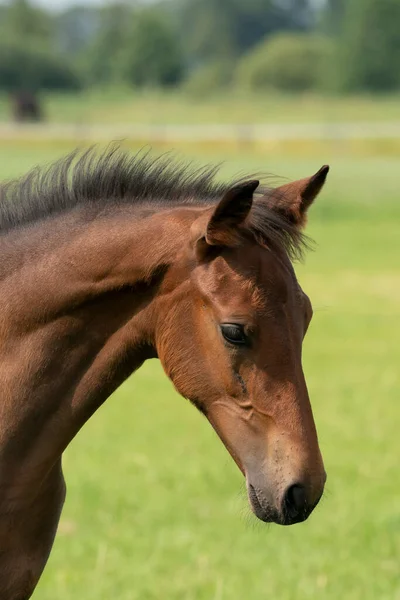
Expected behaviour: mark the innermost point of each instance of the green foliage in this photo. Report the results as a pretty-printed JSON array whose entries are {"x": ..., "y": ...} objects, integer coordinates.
[
  {"x": 332, "y": 16},
  {"x": 210, "y": 78},
  {"x": 23, "y": 21},
  {"x": 369, "y": 57},
  {"x": 152, "y": 55},
  {"x": 28, "y": 59},
  {"x": 101, "y": 60},
  {"x": 220, "y": 29},
  {"x": 131, "y": 43},
  {"x": 286, "y": 62},
  {"x": 76, "y": 27},
  {"x": 34, "y": 67}
]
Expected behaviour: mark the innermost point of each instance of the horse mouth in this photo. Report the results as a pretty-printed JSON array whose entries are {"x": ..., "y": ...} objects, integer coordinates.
[
  {"x": 263, "y": 513},
  {"x": 268, "y": 514}
]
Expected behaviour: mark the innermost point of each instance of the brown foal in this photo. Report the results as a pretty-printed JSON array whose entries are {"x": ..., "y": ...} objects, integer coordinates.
[{"x": 109, "y": 260}]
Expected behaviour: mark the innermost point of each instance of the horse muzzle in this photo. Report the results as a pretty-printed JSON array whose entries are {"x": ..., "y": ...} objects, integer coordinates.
[{"x": 294, "y": 505}]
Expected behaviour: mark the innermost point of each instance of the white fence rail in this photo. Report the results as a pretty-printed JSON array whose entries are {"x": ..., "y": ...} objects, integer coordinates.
[{"x": 256, "y": 133}]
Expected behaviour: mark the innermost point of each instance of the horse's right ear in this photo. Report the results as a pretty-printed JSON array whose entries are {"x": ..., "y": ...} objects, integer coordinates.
[
  {"x": 292, "y": 200},
  {"x": 221, "y": 227}
]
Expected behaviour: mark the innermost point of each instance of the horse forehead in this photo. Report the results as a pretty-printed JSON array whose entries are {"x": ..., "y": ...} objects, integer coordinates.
[
  {"x": 257, "y": 278},
  {"x": 226, "y": 273},
  {"x": 277, "y": 273}
]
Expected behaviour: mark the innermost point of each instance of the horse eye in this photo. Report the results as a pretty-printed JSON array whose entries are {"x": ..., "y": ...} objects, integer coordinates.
[{"x": 234, "y": 333}]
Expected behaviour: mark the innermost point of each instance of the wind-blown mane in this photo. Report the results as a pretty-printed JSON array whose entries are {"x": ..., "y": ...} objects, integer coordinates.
[{"x": 116, "y": 177}]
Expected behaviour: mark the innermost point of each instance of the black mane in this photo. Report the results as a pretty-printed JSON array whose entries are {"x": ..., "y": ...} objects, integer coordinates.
[{"x": 117, "y": 177}]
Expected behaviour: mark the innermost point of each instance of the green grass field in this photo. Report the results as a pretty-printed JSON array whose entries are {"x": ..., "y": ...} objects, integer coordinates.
[
  {"x": 156, "y": 509},
  {"x": 126, "y": 106}
]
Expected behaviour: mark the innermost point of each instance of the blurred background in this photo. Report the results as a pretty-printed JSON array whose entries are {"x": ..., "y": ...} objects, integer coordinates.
[{"x": 156, "y": 508}]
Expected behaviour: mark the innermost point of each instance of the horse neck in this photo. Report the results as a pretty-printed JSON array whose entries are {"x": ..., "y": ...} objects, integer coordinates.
[{"x": 77, "y": 318}]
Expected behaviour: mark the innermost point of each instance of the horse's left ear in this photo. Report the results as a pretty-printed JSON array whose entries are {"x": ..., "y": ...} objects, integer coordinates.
[
  {"x": 220, "y": 229},
  {"x": 295, "y": 198}
]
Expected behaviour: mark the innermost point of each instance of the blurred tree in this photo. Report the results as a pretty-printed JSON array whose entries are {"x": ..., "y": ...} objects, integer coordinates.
[
  {"x": 28, "y": 59},
  {"x": 368, "y": 55},
  {"x": 210, "y": 78},
  {"x": 152, "y": 54},
  {"x": 76, "y": 28},
  {"x": 332, "y": 16},
  {"x": 288, "y": 62},
  {"x": 103, "y": 57},
  {"x": 24, "y": 21},
  {"x": 32, "y": 67},
  {"x": 223, "y": 29}
]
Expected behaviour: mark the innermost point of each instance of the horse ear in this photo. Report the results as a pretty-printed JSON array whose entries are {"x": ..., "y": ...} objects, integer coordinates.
[
  {"x": 294, "y": 199},
  {"x": 221, "y": 228},
  {"x": 230, "y": 212}
]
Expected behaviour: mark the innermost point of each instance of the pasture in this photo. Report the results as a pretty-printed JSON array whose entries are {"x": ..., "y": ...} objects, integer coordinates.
[
  {"x": 156, "y": 509},
  {"x": 119, "y": 105}
]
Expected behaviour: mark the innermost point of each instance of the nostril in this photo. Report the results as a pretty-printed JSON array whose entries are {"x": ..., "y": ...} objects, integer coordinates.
[{"x": 295, "y": 501}]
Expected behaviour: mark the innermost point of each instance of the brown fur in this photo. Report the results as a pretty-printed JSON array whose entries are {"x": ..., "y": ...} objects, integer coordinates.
[{"x": 93, "y": 286}]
